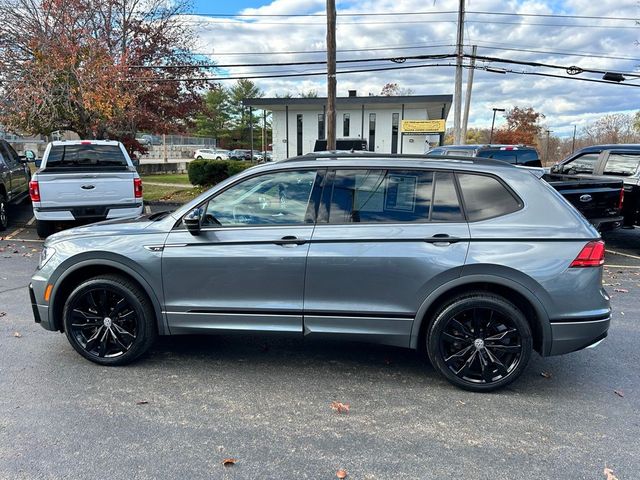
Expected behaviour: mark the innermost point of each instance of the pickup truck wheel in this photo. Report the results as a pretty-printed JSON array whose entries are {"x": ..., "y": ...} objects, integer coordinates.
[
  {"x": 4, "y": 216},
  {"x": 44, "y": 228},
  {"x": 109, "y": 320},
  {"x": 480, "y": 341}
]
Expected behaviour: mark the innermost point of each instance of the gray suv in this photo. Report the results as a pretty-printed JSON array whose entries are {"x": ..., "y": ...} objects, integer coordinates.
[{"x": 473, "y": 261}]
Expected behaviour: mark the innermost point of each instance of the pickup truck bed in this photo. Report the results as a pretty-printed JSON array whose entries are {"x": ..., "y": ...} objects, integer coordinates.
[{"x": 599, "y": 199}]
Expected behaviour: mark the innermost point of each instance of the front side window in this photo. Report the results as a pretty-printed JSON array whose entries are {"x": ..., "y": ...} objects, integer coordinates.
[
  {"x": 583, "y": 164},
  {"x": 9, "y": 154},
  {"x": 279, "y": 198},
  {"x": 486, "y": 197},
  {"x": 622, "y": 164},
  {"x": 381, "y": 196}
]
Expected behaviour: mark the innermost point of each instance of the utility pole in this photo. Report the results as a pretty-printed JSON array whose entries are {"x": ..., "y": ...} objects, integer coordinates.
[
  {"x": 573, "y": 143},
  {"x": 251, "y": 130},
  {"x": 467, "y": 100},
  {"x": 546, "y": 155},
  {"x": 493, "y": 122},
  {"x": 457, "y": 94},
  {"x": 331, "y": 75}
]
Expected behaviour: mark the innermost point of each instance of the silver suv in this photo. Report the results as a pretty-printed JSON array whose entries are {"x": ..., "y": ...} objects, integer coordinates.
[{"x": 473, "y": 261}]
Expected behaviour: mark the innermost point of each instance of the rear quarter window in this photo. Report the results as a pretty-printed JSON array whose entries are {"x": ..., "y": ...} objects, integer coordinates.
[
  {"x": 486, "y": 197},
  {"x": 86, "y": 157},
  {"x": 623, "y": 164}
]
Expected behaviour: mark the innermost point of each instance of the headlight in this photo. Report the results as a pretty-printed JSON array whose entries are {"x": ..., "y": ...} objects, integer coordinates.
[{"x": 45, "y": 256}]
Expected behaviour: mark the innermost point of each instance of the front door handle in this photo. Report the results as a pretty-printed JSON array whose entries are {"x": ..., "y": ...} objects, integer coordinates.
[
  {"x": 290, "y": 240},
  {"x": 442, "y": 239}
]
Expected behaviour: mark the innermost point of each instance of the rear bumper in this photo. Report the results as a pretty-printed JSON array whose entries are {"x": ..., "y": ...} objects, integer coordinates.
[
  {"x": 93, "y": 212},
  {"x": 569, "y": 337},
  {"x": 607, "y": 223}
]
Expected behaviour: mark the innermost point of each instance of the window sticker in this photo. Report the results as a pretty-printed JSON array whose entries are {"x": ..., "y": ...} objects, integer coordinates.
[{"x": 401, "y": 193}]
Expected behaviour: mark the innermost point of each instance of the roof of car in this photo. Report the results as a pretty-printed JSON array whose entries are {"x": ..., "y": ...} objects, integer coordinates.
[
  {"x": 358, "y": 156},
  {"x": 487, "y": 146},
  {"x": 85, "y": 142},
  {"x": 612, "y": 146}
]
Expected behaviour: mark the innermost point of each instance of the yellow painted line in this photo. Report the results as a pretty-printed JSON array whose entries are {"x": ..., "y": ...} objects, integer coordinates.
[
  {"x": 31, "y": 222},
  {"x": 14, "y": 233},
  {"x": 622, "y": 266},
  {"x": 23, "y": 240}
]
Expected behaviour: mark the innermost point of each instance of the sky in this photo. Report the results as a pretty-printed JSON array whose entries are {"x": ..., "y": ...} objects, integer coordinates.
[{"x": 528, "y": 31}]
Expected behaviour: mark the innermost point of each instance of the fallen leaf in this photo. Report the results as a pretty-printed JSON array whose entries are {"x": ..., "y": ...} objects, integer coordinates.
[
  {"x": 142, "y": 402},
  {"x": 546, "y": 374},
  {"x": 341, "y": 473},
  {"x": 620, "y": 393},
  {"x": 460, "y": 402},
  {"x": 621, "y": 313},
  {"x": 2, "y": 314},
  {"x": 340, "y": 407},
  {"x": 17, "y": 334},
  {"x": 609, "y": 474},
  {"x": 227, "y": 462},
  {"x": 621, "y": 290}
]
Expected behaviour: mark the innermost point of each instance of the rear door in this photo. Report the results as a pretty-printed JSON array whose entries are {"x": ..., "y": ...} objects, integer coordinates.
[
  {"x": 86, "y": 174},
  {"x": 383, "y": 241}
]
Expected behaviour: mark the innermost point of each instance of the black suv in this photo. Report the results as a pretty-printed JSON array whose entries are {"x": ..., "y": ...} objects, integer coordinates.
[
  {"x": 515, "y": 154},
  {"x": 14, "y": 180}
]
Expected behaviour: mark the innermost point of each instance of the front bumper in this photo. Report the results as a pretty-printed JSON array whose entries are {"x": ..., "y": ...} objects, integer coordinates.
[
  {"x": 40, "y": 312},
  {"x": 569, "y": 337}
]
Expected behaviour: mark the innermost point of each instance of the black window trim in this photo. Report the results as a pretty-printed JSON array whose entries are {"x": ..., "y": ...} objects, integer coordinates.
[{"x": 317, "y": 191}]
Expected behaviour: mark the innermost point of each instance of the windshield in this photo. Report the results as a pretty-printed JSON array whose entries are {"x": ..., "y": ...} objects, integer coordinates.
[{"x": 86, "y": 156}]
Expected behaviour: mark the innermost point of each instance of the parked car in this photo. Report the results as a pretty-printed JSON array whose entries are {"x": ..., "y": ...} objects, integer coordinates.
[
  {"x": 483, "y": 271},
  {"x": 260, "y": 157},
  {"x": 599, "y": 200},
  {"x": 240, "y": 154},
  {"x": 342, "y": 145},
  {"x": 516, "y": 154},
  {"x": 14, "y": 180},
  {"x": 84, "y": 180},
  {"x": 618, "y": 161},
  {"x": 148, "y": 140},
  {"x": 211, "y": 154}
]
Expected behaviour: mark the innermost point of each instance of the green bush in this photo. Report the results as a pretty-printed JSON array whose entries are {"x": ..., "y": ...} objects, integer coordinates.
[{"x": 210, "y": 172}]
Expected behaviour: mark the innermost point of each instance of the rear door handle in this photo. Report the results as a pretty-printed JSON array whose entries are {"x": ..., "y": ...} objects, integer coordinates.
[
  {"x": 290, "y": 240},
  {"x": 442, "y": 239}
]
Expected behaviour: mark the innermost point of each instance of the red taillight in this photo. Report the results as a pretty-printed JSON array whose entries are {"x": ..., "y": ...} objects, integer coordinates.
[
  {"x": 137, "y": 187},
  {"x": 34, "y": 191},
  {"x": 591, "y": 255},
  {"x": 621, "y": 200}
]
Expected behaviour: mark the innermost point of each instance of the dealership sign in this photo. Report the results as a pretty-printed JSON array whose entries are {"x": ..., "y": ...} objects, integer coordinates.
[{"x": 423, "y": 126}]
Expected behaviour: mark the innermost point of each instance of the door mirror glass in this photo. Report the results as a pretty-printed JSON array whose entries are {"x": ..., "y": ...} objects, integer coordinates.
[
  {"x": 192, "y": 221},
  {"x": 30, "y": 155}
]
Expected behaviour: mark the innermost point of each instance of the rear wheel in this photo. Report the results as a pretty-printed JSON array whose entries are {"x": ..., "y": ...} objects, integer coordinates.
[
  {"x": 480, "y": 341},
  {"x": 109, "y": 320},
  {"x": 44, "y": 228},
  {"x": 4, "y": 215}
]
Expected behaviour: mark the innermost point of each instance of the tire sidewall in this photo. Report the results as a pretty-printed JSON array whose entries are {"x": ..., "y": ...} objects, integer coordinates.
[
  {"x": 483, "y": 301},
  {"x": 138, "y": 346},
  {"x": 4, "y": 207}
]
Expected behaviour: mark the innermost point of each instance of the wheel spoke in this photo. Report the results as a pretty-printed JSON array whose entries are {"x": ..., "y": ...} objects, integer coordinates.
[
  {"x": 476, "y": 321},
  {"x": 501, "y": 335},
  {"x": 120, "y": 330},
  {"x": 503, "y": 348},
  {"x": 93, "y": 340},
  {"x": 119, "y": 341},
  {"x": 453, "y": 338},
  {"x": 87, "y": 316},
  {"x": 459, "y": 355},
  {"x": 467, "y": 365},
  {"x": 102, "y": 351},
  {"x": 460, "y": 327},
  {"x": 118, "y": 307},
  {"x": 87, "y": 325},
  {"x": 502, "y": 370}
]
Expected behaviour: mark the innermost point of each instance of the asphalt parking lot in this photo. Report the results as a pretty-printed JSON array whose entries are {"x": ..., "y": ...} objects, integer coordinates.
[{"x": 266, "y": 402}]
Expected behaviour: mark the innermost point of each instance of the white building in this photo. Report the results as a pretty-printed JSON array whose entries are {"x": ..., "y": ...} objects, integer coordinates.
[{"x": 298, "y": 122}]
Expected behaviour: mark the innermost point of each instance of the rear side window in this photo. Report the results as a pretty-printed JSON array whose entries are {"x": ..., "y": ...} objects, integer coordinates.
[
  {"x": 446, "y": 206},
  {"x": 622, "y": 164},
  {"x": 486, "y": 197},
  {"x": 379, "y": 196},
  {"x": 87, "y": 156}
]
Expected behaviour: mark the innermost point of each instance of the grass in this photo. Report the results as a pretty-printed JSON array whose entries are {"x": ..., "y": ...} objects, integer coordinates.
[
  {"x": 177, "y": 194},
  {"x": 178, "y": 178}
]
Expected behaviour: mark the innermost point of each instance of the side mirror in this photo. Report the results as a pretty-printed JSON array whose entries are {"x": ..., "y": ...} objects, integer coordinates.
[
  {"x": 555, "y": 168},
  {"x": 29, "y": 155},
  {"x": 192, "y": 221}
]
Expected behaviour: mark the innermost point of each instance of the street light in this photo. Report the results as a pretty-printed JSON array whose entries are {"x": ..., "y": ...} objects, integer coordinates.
[{"x": 494, "y": 121}]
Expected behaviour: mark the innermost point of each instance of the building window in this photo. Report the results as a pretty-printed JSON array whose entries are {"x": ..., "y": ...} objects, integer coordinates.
[
  {"x": 395, "y": 120},
  {"x": 372, "y": 132},
  {"x": 321, "y": 126},
  {"x": 299, "y": 134},
  {"x": 345, "y": 124}
]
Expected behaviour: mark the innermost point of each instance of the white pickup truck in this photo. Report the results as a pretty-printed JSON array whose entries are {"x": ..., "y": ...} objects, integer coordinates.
[{"x": 84, "y": 180}]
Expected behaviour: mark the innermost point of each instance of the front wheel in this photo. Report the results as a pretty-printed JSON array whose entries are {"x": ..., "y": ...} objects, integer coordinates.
[
  {"x": 480, "y": 341},
  {"x": 109, "y": 320},
  {"x": 4, "y": 215}
]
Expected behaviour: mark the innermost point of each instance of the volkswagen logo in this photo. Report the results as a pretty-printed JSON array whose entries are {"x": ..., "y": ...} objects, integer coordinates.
[{"x": 586, "y": 198}]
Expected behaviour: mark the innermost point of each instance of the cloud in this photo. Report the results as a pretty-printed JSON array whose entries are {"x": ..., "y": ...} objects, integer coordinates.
[{"x": 535, "y": 39}]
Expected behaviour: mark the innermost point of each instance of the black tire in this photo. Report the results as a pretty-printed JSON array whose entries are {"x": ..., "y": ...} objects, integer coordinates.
[
  {"x": 44, "y": 228},
  {"x": 198, "y": 157},
  {"x": 4, "y": 213},
  {"x": 479, "y": 341},
  {"x": 109, "y": 320}
]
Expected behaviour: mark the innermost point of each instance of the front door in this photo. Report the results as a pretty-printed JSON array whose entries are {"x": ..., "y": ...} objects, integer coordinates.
[
  {"x": 384, "y": 240},
  {"x": 245, "y": 271},
  {"x": 17, "y": 170}
]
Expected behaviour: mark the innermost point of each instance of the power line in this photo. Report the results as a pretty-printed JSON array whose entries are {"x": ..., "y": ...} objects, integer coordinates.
[{"x": 299, "y": 52}]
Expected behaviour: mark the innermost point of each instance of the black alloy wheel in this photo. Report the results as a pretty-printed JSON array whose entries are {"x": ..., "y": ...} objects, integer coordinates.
[
  {"x": 480, "y": 342},
  {"x": 109, "y": 320},
  {"x": 4, "y": 216}
]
